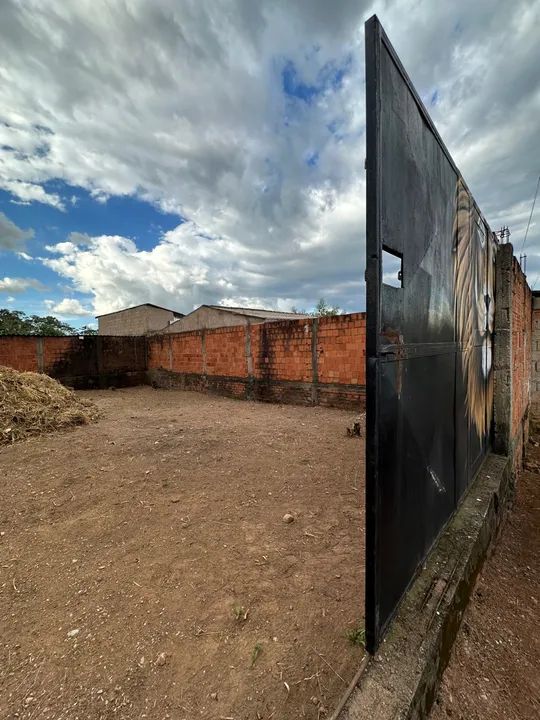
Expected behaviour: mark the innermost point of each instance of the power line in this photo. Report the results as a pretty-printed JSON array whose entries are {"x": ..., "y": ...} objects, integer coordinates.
[{"x": 530, "y": 216}]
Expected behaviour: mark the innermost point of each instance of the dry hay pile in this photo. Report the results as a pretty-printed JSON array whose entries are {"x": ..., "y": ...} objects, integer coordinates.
[{"x": 32, "y": 404}]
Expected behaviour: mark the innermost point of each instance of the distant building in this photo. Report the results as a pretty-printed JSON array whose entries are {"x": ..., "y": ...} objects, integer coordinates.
[
  {"x": 139, "y": 320},
  {"x": 215, "y": 316}
]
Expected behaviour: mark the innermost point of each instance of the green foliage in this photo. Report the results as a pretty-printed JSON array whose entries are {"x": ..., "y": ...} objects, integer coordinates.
[
  {"x": 240, "y": 613},
  {"x": 15, "y": 322},
  {"x": 357, "y": 636},
  {"x": 322, "y": 309},
  {"x": 86, "y": 330},
  {"x": 257, "y": 650},
  {"x": 49, "y": 325}
]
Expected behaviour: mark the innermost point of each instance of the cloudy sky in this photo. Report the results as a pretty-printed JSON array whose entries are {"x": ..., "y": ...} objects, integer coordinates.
[{"x": 189, "y": 151}]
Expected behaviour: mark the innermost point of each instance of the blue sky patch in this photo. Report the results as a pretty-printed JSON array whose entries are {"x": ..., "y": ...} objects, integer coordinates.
[
  {"x": 329, "y": 77},
  {"x": 312, "y": 159},
  {"x": 126, "y": 216}
]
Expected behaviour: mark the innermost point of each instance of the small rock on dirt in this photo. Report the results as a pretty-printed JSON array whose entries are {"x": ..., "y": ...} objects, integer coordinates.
[
  {"x": 288, "y": 518},
  {"x": 161, "y": 659}
]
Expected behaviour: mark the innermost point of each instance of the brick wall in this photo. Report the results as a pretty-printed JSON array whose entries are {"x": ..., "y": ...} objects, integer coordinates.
[
  {"x": 225, "y": 352},
  {"x": 341, "y": 348},
  {"x": 521, "y": 357},
  {"x": 512, "y": 357},
  {"x": 19, "y": 352},
  {"x": 283, "y": 350},
  {"x": 80, "y": 362},
  {"x": 535, "y": 362},
  {"x": 307, "y": 361}
]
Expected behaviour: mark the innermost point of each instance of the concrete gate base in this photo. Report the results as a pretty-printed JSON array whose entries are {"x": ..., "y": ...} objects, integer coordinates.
[{"x": 401, "y": 680}]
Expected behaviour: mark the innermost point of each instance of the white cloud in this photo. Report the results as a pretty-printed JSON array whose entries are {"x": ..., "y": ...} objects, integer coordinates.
[
  {"x": 188, "y": 267},
  {"x": 24, "y": 256},
  {"x": 11, "y": 236},
  {"x": 196, "y": 121},
  {"x": 19, "y": 285},
  {"x": 201, "y": 126},
  {"x": 30, "y": 192},
  {"x": 68, "y": 307},
  {"x": 283, "y": 304}
]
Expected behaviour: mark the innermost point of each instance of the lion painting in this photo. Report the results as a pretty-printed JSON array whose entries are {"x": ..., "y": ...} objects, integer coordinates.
[{"x": 474, "y": 284}]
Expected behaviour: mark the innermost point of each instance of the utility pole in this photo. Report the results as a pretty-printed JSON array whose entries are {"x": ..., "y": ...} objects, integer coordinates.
[{"x": 503, "y": 234}]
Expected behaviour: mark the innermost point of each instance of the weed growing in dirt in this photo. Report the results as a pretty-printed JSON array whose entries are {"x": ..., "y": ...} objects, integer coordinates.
[
  {"x": 240, "y": 613},
  {"x": 257, "y": 650},
  {"x": 357, "y": 636}
]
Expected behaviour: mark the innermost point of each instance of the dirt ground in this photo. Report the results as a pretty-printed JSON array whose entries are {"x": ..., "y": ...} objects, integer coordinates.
[
  {"x": 146, "y": 571},
  {"x": 494, "y": 672}
]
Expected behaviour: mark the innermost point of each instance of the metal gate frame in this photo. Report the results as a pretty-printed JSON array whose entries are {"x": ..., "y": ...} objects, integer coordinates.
[{"x": 464, "y": 438}]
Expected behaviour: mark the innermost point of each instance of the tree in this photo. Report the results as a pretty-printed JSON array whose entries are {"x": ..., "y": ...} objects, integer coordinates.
[
  {"x": 322, "y": 309},
  {"x": 15, "y": 322},
  {"x": 87, "y": 330},
  {"x": 50, "y": 325}
]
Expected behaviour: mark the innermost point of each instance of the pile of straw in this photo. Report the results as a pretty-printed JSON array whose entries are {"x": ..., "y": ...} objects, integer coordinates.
[{"x": 32, "y": 404}]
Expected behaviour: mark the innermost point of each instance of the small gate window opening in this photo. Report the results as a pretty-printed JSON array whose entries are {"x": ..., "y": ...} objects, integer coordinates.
[{"x": 392, "y": 268}]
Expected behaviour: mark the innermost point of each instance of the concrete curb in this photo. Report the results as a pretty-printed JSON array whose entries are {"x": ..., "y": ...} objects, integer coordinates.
[{"x": 401, "y": 681}]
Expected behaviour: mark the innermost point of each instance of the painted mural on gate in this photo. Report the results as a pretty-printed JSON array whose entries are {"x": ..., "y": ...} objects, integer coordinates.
[{"x": 474, "y": 288}]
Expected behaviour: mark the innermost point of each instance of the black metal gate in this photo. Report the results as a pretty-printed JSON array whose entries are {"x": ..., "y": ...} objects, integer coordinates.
[{"x": 430, "y": 289}]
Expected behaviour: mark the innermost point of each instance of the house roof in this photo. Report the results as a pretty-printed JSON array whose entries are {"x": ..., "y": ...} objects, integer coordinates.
[
  {"x": 259, "y": 312},
  {"x": 159, "y": 307}
]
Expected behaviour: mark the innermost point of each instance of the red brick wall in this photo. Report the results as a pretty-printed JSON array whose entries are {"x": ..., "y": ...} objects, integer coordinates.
[
  {"x": 159, "y": 351},
  {"x": 55, "y": 350},
  {"x": 226, "y": 351},
  {"x": 306, "y": 361},
  {"x": 181, "y": 353},
  {"x": 341, "y": 349},
  {"x": 521, "y": 358},
  {"x": 272, "y": 361},
  {"x": 535, "y": 364},
  {"x": 282, "y": 350},
  {"x": 19, "y": 353},
  {"x": 82, "y": 362},
  {"x": 186, "y": 355}
]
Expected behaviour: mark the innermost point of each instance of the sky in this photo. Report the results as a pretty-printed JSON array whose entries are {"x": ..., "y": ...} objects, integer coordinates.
[{"x": 183, "y": 152}]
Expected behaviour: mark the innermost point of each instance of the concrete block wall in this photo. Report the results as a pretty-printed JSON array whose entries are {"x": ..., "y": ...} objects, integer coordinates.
[
  {"x": 305, "y": 361},
  {"x": 139, "y": 320}
]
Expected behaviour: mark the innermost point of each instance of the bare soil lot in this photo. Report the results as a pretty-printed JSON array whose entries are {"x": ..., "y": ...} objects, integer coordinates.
[
  {"x": 494, "y": 669},
  {"x": 146, "y": 571}
]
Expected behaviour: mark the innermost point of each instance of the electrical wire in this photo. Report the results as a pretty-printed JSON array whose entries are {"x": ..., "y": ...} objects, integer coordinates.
[{"x": 530, "y": 216}]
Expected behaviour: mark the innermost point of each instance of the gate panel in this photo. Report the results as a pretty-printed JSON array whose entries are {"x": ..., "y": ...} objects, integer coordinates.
[{"x": 428, "y": 338}]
